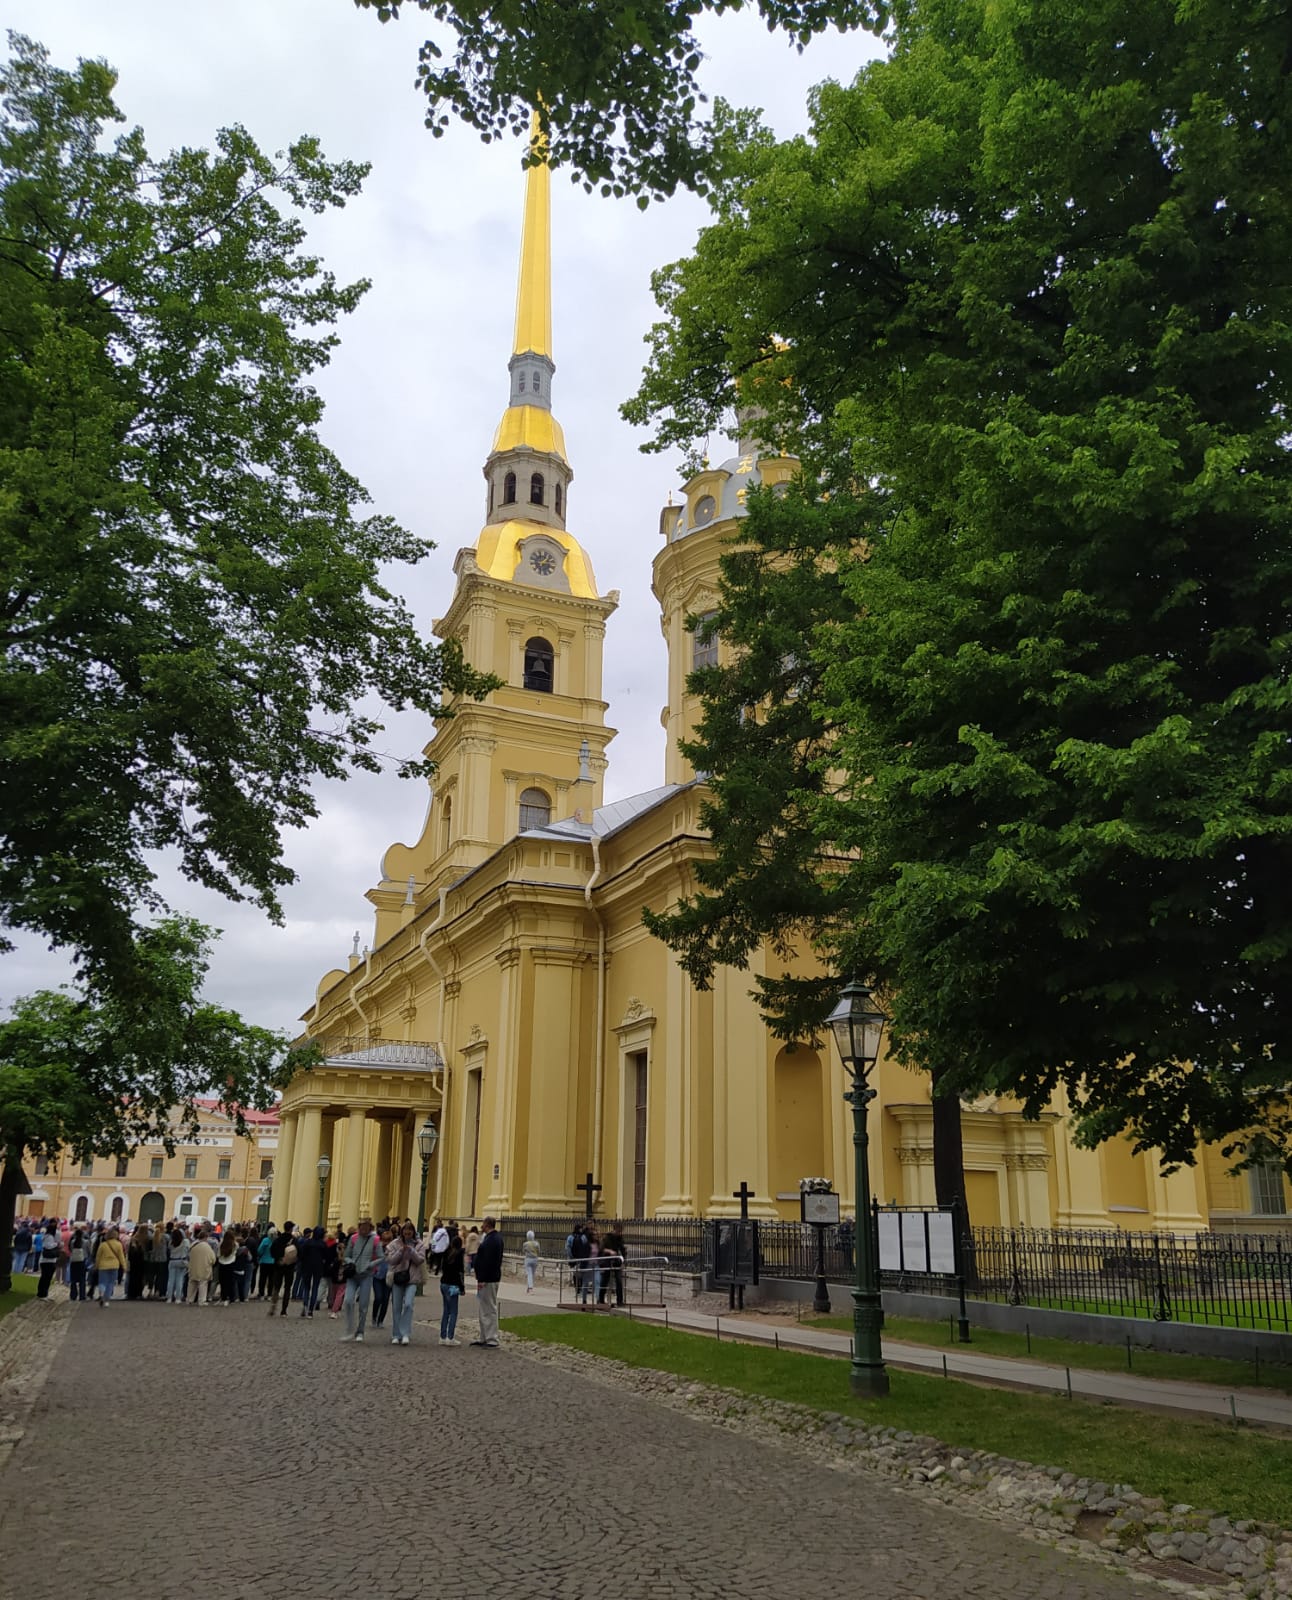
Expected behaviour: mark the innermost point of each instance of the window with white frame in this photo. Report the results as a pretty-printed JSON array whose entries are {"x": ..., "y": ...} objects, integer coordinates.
[{"x": 1269, "y": 1197}]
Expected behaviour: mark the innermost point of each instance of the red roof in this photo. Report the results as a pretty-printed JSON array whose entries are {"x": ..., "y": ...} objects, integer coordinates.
[{"x": 253, "y": 1118}]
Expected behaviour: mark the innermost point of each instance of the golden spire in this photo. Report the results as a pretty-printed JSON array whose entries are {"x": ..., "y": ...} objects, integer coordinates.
[{"x": 534, "y": 289}]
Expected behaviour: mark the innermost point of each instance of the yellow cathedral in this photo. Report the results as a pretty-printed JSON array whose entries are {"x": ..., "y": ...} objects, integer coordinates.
[{"x": 511, "y": 994}]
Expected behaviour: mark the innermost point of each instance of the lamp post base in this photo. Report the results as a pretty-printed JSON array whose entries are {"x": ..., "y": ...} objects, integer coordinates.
[
  {"x": 821, "y": 1298},
  {"x": 868, "y": 1383}
]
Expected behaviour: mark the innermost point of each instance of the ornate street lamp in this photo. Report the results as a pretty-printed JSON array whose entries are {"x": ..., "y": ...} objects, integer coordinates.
[
  {"x": 428, "y": 1136},
  {"x": 858, "y": 1025},
  {"x": 324, "y": 1167}
]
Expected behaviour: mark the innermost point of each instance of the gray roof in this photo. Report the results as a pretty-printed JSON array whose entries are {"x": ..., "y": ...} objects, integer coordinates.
[{"x": 607, "y": 819}]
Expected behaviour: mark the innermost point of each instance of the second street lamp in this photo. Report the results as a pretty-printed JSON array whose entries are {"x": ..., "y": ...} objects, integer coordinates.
[
  {"x": 858, "y": 1026},
  {"x": 324, "y": 1167},
  {"x": 428, "y": 1136}
]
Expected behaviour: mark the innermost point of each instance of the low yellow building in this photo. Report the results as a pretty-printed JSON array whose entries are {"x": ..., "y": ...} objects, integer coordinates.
[
  {"x": 511, "y": 994},
  {"x": 215, "y": 1174}
]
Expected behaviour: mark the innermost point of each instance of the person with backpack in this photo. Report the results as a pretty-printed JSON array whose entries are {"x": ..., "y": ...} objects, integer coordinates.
[
  {"x": 439, "y": 1244},
  {"x": 110, "y": 1259},
  {"x": 380, "y": 1280},
  {"x": 285, "y": 1254},
  {"x": 51, "y": 1247},
  {"x": 357, "y": 1268},
  {"x": 579, "y": 1250},
  {"x": 76, "y": 1264},
  {"x": 405, "y": 1269},
  {"x": 21, "y": 1248}
]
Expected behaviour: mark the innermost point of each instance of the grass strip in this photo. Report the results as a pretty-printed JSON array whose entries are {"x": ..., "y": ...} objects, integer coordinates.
[
  {"x": 24, "y": 1289},
  {"x": 1228, "y": 1374},
  {"x": 1234, "y": 1470}
]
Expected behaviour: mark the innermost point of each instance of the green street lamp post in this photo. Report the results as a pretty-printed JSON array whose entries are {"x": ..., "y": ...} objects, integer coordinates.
[
  {"x": 858, "y": 1024},
  {"x": 269, "y": 1195},
  {"x": 324, "y": 1167},
  {"x": 428, "y": 1136}
]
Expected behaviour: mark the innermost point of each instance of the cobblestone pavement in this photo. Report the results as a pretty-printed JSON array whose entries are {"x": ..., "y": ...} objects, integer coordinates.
[{"x": 181, "y": 1452}]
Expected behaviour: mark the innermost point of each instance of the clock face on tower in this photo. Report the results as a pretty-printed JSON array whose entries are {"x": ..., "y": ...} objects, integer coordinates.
[{"x": 543, "y": 562}]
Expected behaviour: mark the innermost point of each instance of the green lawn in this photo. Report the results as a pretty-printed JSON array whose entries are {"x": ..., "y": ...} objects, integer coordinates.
[
  {"x": 1239, "y": 1471},
  {"x": 1073, "y": 1353},
  {"x": 24, "y": 1288}
]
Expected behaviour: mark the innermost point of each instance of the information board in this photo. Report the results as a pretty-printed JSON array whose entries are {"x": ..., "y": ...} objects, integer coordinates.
[{"x": 822, "y": 1210}]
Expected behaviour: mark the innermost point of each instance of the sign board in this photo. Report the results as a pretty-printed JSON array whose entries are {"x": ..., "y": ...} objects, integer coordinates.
[
  {"x": 917, "y": 1241},
  {"x": 735, "y": 1252},
  {"x": 821, "y": 1210}
]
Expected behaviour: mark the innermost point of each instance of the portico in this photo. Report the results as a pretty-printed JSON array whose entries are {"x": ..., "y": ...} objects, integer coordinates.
[{"x": 362, "y": 1109}]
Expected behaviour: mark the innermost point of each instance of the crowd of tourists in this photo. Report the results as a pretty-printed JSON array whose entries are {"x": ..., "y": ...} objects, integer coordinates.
[{"x": 372, "y": 1268}]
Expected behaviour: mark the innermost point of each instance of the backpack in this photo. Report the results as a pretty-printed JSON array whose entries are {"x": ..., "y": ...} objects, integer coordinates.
[{"x": 289, "y": 1256}]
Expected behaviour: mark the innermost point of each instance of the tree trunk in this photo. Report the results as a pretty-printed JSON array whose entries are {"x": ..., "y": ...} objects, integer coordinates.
[
  {"x": 949, "y": 1169},
  {"x": 10, "y": 1180}
]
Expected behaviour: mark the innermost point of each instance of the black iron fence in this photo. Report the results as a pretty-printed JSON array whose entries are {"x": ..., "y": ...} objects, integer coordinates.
[{"x": 1237, "y": 1280}]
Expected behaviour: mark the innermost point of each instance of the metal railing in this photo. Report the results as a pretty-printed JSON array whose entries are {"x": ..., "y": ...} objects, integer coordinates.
[
  {"x": 1233, "y": 1280},
  {"x": 678, "y": 1241}
]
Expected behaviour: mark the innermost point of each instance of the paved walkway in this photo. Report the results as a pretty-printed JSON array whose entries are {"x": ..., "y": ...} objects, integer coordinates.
[
  {"x": 1197, "y": 1399},
  {"x": 180, "y": 1451}
]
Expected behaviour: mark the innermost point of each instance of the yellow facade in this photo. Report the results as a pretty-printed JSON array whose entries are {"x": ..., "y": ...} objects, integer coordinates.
[
  {"x": 216, "y": 1174},
  {"x": 512, "y": 995}
]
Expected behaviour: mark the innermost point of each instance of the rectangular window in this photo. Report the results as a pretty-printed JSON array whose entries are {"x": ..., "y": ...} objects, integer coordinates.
[
  {"x": 1269, "y": 1198},
  {"x": 42, "y": 1166},
  {"x": 266, "y": 1168},
  {"x": 639, "y": 1135},
  {"x": 704, "y": 642},
  {"x": 123, "y": 1165},
  {"x": 226, "y": 1166},
  {"x": 155, "y": 1167},
  {"x": 87, "y": 1168},
  {"x": 190, "y": 1168}
]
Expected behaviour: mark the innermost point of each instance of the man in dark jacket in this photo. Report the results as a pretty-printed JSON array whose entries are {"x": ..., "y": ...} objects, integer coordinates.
[{"x": 488, "y": 1271}]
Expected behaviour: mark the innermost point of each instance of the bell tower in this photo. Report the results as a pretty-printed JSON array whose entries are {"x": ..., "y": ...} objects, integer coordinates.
[{"x": 525, "y": 608}]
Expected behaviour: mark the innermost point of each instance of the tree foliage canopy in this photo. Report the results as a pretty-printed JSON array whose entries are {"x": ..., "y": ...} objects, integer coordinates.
[
  {"x": 192, "y": 606},
  {"x": 1021, "y": 301},
  {"x": 617, "y": 84},
  {"x": 97, "y": 1074}
]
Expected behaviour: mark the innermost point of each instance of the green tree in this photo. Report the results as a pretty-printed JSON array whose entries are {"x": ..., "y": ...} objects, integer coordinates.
[
  {"x": 192, "y": 611},
  {"x": 1020, "y": 299},
  {"x": 97, "y": 1075},
  {"x": 618, "y": 84}
]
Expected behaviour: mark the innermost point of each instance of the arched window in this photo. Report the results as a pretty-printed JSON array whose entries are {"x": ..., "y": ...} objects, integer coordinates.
[
  {"x": 557, "y": 499},
  {"x": 536, "y": 487},
  {"x": 446, "y": 822},
  {"x": 118, "y": 1208},
  {"x": 509, "y": 489},
  {"x": 520, "y": 381},
  {"x": 538, "y": 665},
  {"x": 535, "y": 809},
  {"x": 535, "y": 384},
  {"x": 81, "y": 1211}
]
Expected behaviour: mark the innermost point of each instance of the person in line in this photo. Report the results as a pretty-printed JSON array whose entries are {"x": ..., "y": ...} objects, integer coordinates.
[
  {"x": 51, "y": 1247},
  {"x": 309, "y": 1269},
  {"x": 21, "y": 1248},
  {"x": 201, "y": 1269},
  {"x": 177, "y": 1248},
  {"x": 439, "y": 1244},
  {"x": 405, "y": 1269},
  {"x": 357, "y": 1268},
  {"x": 137, "y": 1253},
  {"x": 158, "y": 1255},
  {"x": 286, "y": 1261},
  {"x": 488, "y": 1270},
  {"x": 591, "y": 1267},
  {"x": 76, "y": 1263},
  {"x": 265, "y": 1265},
  {"x": 530, "y": 1251},
  {"x": 612, "y": 1263},
  {"x": 334, "y": 1272},
  {"x": 226, "y": 1264},
  {"x": 452, "y": 1287},
  {"x": 472, "y": 1245},
  {"x": 110, "y": 1259},
  {"x": 380, "y": 1282}
]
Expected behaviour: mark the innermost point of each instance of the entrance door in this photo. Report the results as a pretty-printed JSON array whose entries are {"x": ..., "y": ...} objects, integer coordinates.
[
  {"x": 152, "y": 1208},
  {"x": 639, "y": 1132}
]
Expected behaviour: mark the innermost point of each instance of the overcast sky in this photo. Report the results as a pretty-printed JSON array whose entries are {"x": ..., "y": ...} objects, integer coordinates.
[{"x": 416, "y": 389}]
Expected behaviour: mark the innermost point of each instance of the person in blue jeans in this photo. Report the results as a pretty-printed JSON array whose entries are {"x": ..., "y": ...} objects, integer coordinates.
[
  {"x": 452, "y": 1285},
  {"x": 380, "y": 1286},
  {"x": 358, "y": 1266},
  {"x": 405, "y": 1269},
  {"x": 76, "y": 1263}
]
